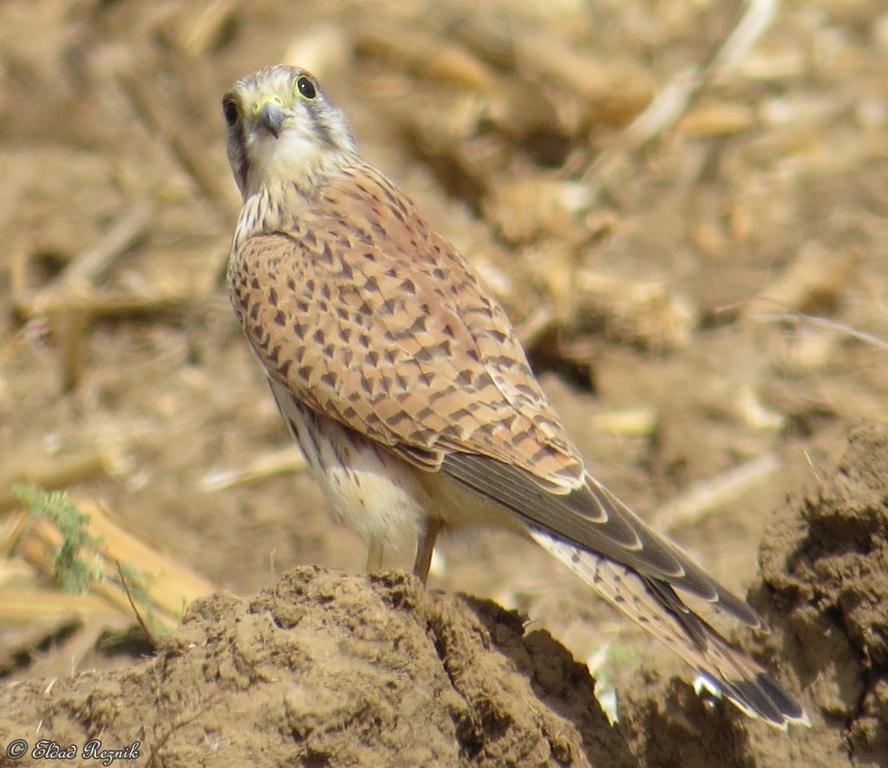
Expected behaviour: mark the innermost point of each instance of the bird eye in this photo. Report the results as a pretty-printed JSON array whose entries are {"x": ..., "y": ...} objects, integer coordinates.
[
  {"x": 229, "y": 107},
  {"x": 306, "y": 88}
]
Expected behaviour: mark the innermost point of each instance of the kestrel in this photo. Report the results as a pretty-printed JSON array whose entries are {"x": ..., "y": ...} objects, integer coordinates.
[{"x": 404, "y": 383}]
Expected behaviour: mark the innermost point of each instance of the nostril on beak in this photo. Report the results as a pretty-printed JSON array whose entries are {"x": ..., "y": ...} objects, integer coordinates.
[{"x": 272, "y": 117}]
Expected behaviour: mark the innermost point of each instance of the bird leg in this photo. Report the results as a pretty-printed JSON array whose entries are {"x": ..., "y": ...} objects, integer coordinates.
[
  {"x": 425, "y": 546},
  {"x": 374, "y": 555}
]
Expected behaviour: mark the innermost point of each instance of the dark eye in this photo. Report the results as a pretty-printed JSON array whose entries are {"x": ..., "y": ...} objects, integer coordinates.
[
  {"x": 231, "y": 113},
  {"x": 306, "y": 87}
]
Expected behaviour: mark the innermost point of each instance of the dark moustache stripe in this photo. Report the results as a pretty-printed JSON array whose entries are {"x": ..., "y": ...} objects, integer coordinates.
[{"x": 319, "y": 127}]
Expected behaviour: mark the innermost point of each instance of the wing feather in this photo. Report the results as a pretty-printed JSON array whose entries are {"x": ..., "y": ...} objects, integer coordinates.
[
  {"x": 655, "y": 606},
  {"x": 593, "y": 519},
  {"x": 375, "y": 321}
]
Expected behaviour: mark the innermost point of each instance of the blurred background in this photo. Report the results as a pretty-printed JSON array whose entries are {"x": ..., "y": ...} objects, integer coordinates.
[{"x": 683, "y": 205}]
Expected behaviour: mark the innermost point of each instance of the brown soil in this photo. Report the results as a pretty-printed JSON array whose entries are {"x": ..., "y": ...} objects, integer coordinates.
[
  {"x": 771, "y": 185},
  {"x": 324, "y": 669},
  {"x": 824, "y": 590}
]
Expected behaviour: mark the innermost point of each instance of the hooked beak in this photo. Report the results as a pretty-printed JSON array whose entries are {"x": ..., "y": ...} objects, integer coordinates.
[{"x": 272, "y": 117}]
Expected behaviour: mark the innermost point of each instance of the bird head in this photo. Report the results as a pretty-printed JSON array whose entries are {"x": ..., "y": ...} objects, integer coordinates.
[{"x": 283, "y": 128}]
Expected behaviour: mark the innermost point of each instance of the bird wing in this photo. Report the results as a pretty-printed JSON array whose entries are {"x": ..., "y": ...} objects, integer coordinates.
[
  {"x": 370, "y": 318},
  {"x": 656, "y": 607}
]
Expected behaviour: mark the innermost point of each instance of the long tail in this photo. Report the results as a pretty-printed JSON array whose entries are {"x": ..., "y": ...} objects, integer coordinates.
[{"x": 655, "y": 606}]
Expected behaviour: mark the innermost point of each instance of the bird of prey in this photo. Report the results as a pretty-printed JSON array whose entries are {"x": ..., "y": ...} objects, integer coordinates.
[{"x": 404, "y": 383}]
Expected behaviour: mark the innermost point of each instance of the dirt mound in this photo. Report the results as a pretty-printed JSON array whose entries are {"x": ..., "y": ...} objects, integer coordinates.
[
  {"x": 324, "y": 669},
  {"x": 824, "y": 590},
  {"x": 327, "y": 669}
]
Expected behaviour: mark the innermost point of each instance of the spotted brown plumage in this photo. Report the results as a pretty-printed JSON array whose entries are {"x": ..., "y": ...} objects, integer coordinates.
[
  {"x": 403, "y": 381},
  {"x": 411, "y": 353}
]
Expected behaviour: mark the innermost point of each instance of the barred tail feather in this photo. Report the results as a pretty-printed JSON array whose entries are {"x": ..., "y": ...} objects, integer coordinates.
[{"x": 655, "y": 606}]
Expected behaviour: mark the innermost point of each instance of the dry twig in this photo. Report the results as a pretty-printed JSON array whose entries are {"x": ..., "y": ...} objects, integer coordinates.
[
  {"x": 89, "y": 265},
  {"x": 203, "y": 25},
  {"x": 673, "y": 100},
  {"x": 706, "y": 496},
  {"x": 825, "y": 323},
  {"x": 60, "y": 473},
  {"x": 285, "y": 462},
  {"x": 161, "y": 118},
  {"x": 61, "y": 300},
  {"x": 106, "y": 305},
  {"x": 813, "y": 279},
  {"x": 129, "y": 596},
  {"x": 424, "y": 53},
  {"x": 169, "y": 585}
]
